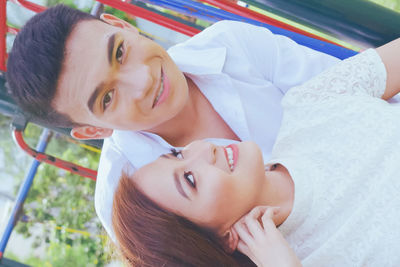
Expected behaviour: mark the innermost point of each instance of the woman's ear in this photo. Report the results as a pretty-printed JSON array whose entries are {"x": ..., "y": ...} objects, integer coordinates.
[
  {"x": 117, "y": 22},
  {"x": 90, "y": 132},
  {"x": 230, "y": 240}
]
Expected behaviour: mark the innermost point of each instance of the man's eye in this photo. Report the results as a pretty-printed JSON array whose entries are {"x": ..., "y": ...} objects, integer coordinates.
[
  {"x": 190, "y": 178},
  {"x": 120, "y": 53},
  {"x": 177, "y": 153},
  {"x": 107, "y": 99}
]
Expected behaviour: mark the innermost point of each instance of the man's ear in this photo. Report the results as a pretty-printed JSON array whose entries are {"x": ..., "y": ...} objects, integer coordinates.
[
  {"x": 117, "y": 22},
  {"x": 230, "y": 240},
  {"x": 90, "y": 132}
]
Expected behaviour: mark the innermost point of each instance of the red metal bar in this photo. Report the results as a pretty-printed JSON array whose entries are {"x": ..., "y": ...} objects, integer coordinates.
[
  {"x": 29, "y": 5},
  {"x": 245, "y": 12},
  {"x": 3, "y": 29},
  {"x": 153, "y": 17},
  {"x": 68, "y": 166}
]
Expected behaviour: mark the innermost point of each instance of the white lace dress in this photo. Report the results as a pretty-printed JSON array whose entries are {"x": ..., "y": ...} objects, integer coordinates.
[{"x": 341, "y": 144}]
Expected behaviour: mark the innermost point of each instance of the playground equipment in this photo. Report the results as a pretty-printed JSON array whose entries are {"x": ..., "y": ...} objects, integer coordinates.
[{"x": 369, "y": 25}]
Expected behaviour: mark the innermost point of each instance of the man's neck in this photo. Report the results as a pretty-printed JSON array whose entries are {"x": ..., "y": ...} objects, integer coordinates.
[{"x": 179, "y": 130}]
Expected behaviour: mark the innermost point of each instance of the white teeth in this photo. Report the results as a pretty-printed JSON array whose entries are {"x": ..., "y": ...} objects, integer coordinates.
[
  {"x": 161, "y": 90},
  {"x": 229, "y": 152}
]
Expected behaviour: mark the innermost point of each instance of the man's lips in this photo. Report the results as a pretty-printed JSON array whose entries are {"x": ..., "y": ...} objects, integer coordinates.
[
  {"x": 163, "y": 91},
  {"x": 159, "y": 89}
]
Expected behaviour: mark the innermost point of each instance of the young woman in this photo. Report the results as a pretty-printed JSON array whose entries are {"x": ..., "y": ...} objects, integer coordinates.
[{"x": 331, "y": 185}]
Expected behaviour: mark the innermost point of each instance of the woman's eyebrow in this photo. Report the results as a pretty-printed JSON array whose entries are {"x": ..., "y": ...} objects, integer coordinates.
[
  {"x": 178, "y": 185},
  {"x": 177, "y": 181}
]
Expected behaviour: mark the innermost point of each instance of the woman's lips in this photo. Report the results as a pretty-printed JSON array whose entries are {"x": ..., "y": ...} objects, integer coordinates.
[
  {"x": 231, "y": 154},
  {"x": 163, "y": 92}
]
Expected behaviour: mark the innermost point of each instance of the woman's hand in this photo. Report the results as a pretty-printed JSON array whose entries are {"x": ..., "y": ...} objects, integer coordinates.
[{"x": 262, "y": 242}]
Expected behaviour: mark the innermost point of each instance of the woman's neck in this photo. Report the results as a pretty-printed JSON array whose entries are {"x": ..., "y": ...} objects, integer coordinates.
[{"x": 278, "y": 192}]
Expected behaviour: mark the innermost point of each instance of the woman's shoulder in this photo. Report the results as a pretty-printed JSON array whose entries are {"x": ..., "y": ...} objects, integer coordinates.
[{"x": 361, "y": 75}]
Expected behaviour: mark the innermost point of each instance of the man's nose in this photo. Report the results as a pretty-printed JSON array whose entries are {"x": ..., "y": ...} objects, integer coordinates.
[
  {"x": 138, "y": 81},
  {"x": 201, "y": 150}
]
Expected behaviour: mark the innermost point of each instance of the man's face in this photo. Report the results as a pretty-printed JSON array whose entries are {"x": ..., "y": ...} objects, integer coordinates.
[{"x": 114, "y": 78}]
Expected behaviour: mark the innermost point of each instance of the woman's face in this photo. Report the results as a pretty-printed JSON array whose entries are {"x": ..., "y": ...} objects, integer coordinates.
[{"x": 212, "y": 186}]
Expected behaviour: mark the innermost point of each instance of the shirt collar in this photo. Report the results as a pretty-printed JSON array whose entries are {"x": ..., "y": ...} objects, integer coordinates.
[{"x": 198, "y": 61}]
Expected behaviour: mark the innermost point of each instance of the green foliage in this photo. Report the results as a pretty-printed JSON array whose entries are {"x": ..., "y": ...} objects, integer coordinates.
[
  {"x": 70, "y": 3},
  {"x": 120, "y": 14},
  {"x": 13, "y": 162},
  {"x": 59, "y": 199},
  {"x": 32, "y": 260},
  {"x": 392, "y": 4},
  {"x": 58, "y": 204},
  {"x": 77, "y": 254},
  {"x": 107, "y": 9}
]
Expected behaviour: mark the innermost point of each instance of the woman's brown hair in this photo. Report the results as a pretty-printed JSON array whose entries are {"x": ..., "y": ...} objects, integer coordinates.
[{"x": 148, "y": 235}]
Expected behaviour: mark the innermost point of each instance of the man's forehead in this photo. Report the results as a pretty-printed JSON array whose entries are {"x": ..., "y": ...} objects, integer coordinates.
[
  {"x": 88, "y": 32},
  {"x": 84, "y": 65}
]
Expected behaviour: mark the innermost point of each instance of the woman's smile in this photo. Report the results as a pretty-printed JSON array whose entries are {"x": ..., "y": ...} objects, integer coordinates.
[{"x": 231, "y": 154}]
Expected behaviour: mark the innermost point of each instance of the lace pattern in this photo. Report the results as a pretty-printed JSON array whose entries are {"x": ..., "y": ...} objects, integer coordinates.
[
  {"x": 341, "y": 144},
  {"x": 363, "y": 74}
]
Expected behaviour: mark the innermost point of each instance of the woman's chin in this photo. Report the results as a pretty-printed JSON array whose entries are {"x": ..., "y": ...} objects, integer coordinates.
[{"x": 251, "y": 154}]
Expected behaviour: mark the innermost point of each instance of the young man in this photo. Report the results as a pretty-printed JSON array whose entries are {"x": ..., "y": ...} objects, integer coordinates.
[{"x": 105, "y": 80}]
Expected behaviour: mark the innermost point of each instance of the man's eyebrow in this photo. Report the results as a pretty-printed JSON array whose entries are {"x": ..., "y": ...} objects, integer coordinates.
[
  {"x": 178, "y": 185},
  {"x": 99, "y": 88},
  {"x": 110, "y": 47},
  {"x": 94, "y": 96}
]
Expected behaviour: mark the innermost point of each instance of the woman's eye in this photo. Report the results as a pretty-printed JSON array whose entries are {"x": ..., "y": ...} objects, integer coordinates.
[
  {"x": 107, "y": 99},
  {"x": 120, "y": 53},
  {"x": 177, "y": 153},
  {"x": 190, "y": 179}
]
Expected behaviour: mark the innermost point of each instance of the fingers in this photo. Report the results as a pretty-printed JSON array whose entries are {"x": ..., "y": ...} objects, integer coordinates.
[
  {"x": 249, "y": 227},
  {"x": 243, "y": 232},
  {"x": 252, "y": 221},
  {"x": 267, "y": 217},
  {"x": 243, "y": 248},
  {"x": 261, "y": 241}
]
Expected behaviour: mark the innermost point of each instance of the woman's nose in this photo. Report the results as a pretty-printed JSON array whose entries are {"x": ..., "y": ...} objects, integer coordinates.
[{"x": 201, "y": 150}]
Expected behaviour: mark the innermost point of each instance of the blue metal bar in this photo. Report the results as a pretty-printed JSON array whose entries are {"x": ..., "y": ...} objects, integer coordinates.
[
  {"x": 210, "y": 13},
  {"x": 198, "y": 10},
  {"x": 23, "y": 192}
]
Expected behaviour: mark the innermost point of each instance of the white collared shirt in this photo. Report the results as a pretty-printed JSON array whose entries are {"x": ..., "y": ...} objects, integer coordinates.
[{"x": 244, "y": 71}]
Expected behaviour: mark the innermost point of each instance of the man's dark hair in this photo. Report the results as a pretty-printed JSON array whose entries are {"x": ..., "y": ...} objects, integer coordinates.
[{"x": 36, "y": 59}]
